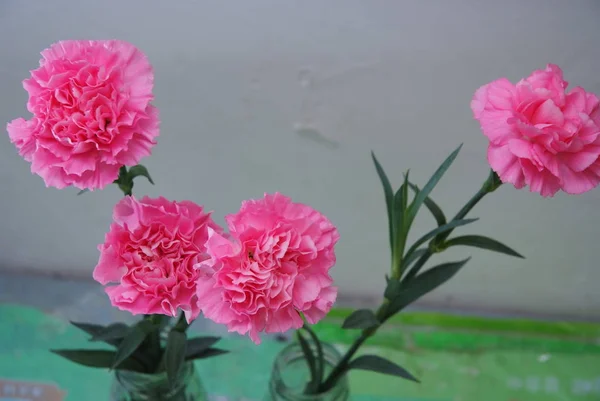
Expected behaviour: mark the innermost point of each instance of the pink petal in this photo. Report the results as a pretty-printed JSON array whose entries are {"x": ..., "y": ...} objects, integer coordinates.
[
  {"x": 22, "y": 134},
  {"x": 44, "y": 160},
  {"x": 322, "y": 306},
  {"x": 211, "y": 303},
  {"x": 501, "y": 94},
  {"x": 548, "y": 159},
  {"x": 99, "y": 177},
  {"x": 142, "y": 141},
  {"x": 479, "y": 101},
  {"x": 53, "y": 177},
  {"x": 109, "y": 268},
  {"x": 506, "y": 165},
  {"x": 595, "y": 168},
  {"x": 496, "y": 126},
  {"x": 581, "y": 160},
  {"x": 542, "y": 182},
  {"x": 79, "y": 163},
  {"x": 254, "y": 336},
  {"x": 306, "y": 289},
  {"x": 191, "y": 313},
  {"x": 575, "y": 102},
  {"x": 219, "y": 246},
  {"x": 128, "y": 299},
  {"x": 127, "y": 213},
  {"x": 577, "y": 182},
  {"x": 283, "y": 320},
  {"x": 520, "y": 148},
  {"x": 167, "y": 308},
  {"x": 497, "y": 95},
  {"x": 548, "y": 113}
]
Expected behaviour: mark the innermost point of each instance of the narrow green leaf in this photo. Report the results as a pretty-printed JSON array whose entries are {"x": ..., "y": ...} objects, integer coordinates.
[
  {"x": 361, "y": 319},
  {"x": 115, "y": 331},
  {"x": 89, "y": 328},
  {"x": 440, "y": 230},
  {"x": 83, "y": 191},
  {"x": 399, "y": 228},
  {"x": 94, "y": 330},
  {"x": 435, "y": 178},
  {"x": 199, "y": 344},
  {"x": 414, "y": 256},
  {"x": 398, "y": 211},
  {"x": 378, "y": 364},
  {"x": 404, "y": 189},
  {"x": 479, "y": 241},
  {"x": 133, "y": 339},
  {"x": 208, "y": 353},
  {"x": 310, "y": 359},
  {"x": 138, "y": 170},
  {"x": 389, "y": 196},
  {"x": 98, "y": 359},
  {"x": 175, "y": 352},
  {"x": 423, "y": 284},
  {"x": 435, "y": 210},
  {"x": 182, "y": 323},
  {"x": 412, "y": 272}
]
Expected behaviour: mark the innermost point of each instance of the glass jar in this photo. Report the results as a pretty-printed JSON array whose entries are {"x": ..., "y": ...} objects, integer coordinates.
[
  {"x": 133, "y": 386},
  {"x": 291, "y": 374}
]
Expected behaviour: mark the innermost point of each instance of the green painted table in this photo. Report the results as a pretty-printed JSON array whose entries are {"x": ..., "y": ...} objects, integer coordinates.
[{"x": 457, "y": 358}]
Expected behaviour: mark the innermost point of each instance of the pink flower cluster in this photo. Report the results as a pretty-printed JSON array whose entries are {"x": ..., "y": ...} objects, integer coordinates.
[
  {"x": 92, "y": 115},
  {"x": 91, "y": 109},
  {"x": 151, "y": 253},
  {"x": 540, "y": 134},
  {"x": 273, "y": 265}
]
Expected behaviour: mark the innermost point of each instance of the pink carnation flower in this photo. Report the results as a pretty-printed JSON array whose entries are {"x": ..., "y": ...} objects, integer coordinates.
[
  {"x": 150, "y": 252},
  {"x": 275, "y": 265},
  {"x": 540, "y": 134},
  {"x": 91, "y": 109}
]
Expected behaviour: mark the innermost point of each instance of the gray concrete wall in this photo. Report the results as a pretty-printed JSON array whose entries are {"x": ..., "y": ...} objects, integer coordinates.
[{"x": 291, "y": 96}]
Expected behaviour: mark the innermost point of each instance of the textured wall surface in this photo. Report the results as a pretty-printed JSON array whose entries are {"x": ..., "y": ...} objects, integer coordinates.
[{"x": 291, "y": 96}]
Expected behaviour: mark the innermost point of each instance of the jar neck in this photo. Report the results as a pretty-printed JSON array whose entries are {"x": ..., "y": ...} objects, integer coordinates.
[
  {"x": 154, "y": 386},
  {"x": 290, "y": 375}
]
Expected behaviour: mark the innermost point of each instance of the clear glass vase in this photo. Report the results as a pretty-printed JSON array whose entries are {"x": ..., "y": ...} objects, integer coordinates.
[
  {"x": 290, "y": 375},
  {"x": 133, "y": 386}
]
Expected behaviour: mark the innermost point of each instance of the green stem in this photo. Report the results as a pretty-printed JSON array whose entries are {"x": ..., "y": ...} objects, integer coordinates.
[
  {"x": 181, "y": 326},
  {"x": 340, "y": 369},
  {"x": 320, "y": 362},
  {"x": 398, "y": 260},
  {"x": 313, "y": 384},
  {"x": 153, "y": 344},
  {"x": 490, "y": 185}
]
